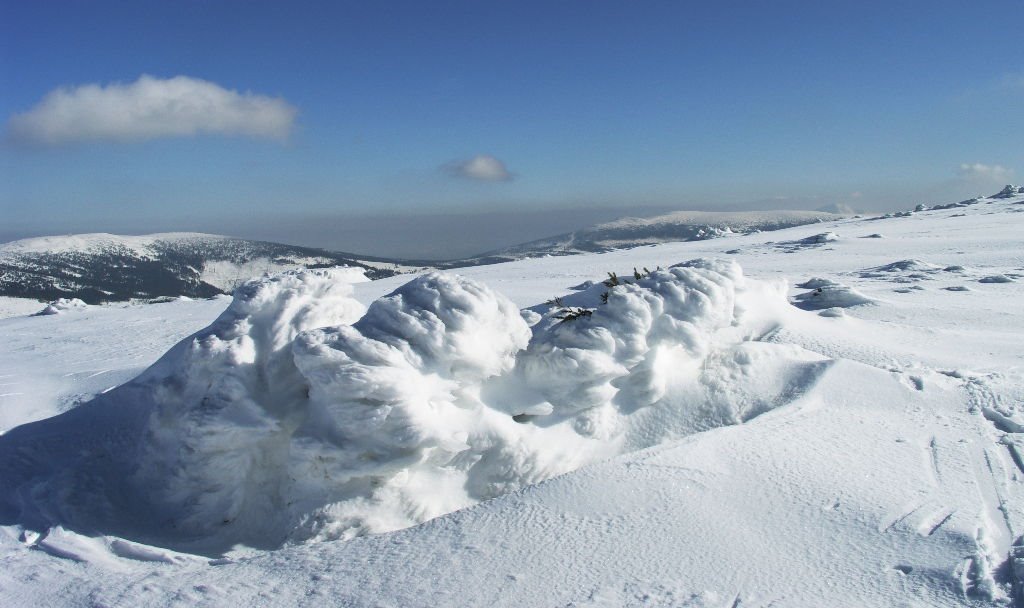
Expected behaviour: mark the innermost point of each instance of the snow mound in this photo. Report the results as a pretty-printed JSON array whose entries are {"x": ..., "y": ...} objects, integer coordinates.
[
  {"x": 902, "y": 271},
  {"x": 61, "y": 305},
  {"x": 816, "y": 283},
  {"x": 1009, "y": 191},
  {"x": 996, "y": 278},
  {"x": 575, "y": 365},
  {"x": 168, "y": 299},
  {"x": 817, "y": 239},
  {"x": 296, "y": 416},
  {"x": 221, "y": 400},
  {"x": 826, "y": 294},
  {"x": 396, "y": 398},
  {"x": 906, "y": 266},
  {"x": 833, "y": 313}
]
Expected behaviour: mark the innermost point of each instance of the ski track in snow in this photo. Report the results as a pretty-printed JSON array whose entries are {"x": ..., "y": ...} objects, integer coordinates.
[{"x": 895, "y": 478}]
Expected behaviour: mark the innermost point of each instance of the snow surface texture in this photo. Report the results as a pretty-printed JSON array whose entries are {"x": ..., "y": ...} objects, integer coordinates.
[
  {"x": 17, "y": 307},
  {"x": 52, "y": 363},
  {"x": 293, "y": 418},
  {"x": 887, "y": 473}
]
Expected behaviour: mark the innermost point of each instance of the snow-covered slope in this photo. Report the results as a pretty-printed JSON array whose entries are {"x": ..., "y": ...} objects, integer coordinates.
[
  {"x": 862, "y": 447},
  {"x": 109, "y": 268},
  {"x": 631, "y": 232},
  {"x": 53, "y": 363}
]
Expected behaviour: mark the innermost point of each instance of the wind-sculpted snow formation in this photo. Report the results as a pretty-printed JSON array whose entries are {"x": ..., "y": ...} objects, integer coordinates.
[
  {"x": 297, "y": 416},
  {"x": 61, "y": 305},
  {"x": 223, "y": 402}
]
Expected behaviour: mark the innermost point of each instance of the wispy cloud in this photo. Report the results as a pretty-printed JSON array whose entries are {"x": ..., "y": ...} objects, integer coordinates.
[
  {"x": 150, "y": 108},
  {"x": 482, "y": 167},
  {"x": 980, "y": 173}
]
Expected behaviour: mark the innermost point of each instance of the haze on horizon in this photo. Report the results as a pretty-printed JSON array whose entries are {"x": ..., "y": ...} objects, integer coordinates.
[{"x": 447, "y": 129}]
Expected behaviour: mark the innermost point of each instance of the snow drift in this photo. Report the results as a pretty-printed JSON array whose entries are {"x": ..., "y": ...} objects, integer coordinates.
[
  {"x": 299, "y": 415},
  {"x": 223, "y": 402},
  {"x": 827, "y": 294},
  {"x": 61, "y": 305}
]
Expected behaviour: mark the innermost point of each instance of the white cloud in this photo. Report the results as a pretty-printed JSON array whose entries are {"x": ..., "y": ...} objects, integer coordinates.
[
  {"x": 985, "y": 174},
  {"x": 150, "y": 108},
  {"x": 481, "y": 167}
]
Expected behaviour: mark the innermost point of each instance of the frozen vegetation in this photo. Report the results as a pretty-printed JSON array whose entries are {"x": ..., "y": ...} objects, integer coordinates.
[{"x": 800, "y": 418}]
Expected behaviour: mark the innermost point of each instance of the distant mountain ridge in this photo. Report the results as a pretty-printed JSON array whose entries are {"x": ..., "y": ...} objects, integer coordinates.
[
  {"x": 108, "y": 268},
  {"x": 104, "y": 267},
  {"x": 631, "y": 232}
]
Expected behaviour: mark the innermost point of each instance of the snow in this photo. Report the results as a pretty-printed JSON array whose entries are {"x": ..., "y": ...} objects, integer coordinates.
[
  {"x": 229, "y": 274},
  {"x": 694, "y": 441},
  {"x": 17, "y": 307},
  {"x": 95, "y": 241},
  {"x": 999, "y": 278},
  {"x": 61, "y": 305},
  {"x": 827, "y": 294},
  {"x": 735, "y": 221},
  {"x": 297, "y": 416},
  {"x": 52, "y": 363},
  {"x": 678, "y": 226},
  {"x": 150, "y": 266}
]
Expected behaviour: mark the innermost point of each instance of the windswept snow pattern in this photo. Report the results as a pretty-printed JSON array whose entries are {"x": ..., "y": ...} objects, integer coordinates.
[
  {"x": 221, "y": 401},
  {"x": 296, "y": 416},
  {"x": 689, "y": 436}
]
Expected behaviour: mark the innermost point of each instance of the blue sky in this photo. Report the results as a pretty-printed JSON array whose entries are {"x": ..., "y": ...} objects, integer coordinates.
[{"x": 584, "y": 104}]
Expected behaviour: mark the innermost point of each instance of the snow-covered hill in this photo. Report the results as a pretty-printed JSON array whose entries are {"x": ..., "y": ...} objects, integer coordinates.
[
  {"x": 113, "y": 268},
  {"x": 826, "y": 415},
  {"x": 110, "y": 268},
  {"x": 632, "y": 232}
]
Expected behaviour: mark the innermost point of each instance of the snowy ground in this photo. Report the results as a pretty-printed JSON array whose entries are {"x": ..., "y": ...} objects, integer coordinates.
[
  {"x": 18, "y": 307},
  {"x": 52, "y": 363},
  {"x": 862, "y": 448}
]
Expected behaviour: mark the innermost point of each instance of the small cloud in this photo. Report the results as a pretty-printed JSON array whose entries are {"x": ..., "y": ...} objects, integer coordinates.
[
  {"x": 856, "y": 195},
  {"x": 150, "y": 108},
  {"x": 979, "y": 173},
  {"x": 481, "y": 167}
]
